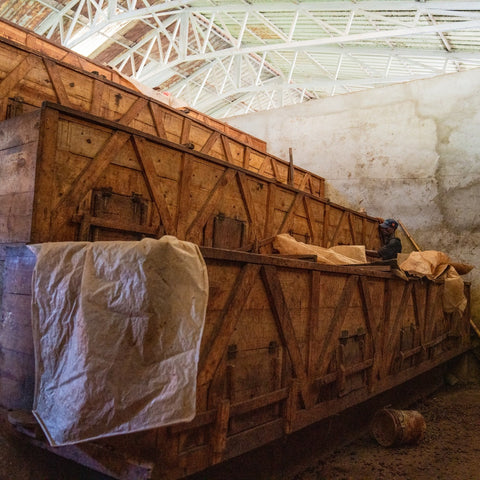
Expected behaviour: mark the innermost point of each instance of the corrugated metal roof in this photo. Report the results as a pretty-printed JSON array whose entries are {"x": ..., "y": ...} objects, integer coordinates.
[{"x": 234, "y": 56}]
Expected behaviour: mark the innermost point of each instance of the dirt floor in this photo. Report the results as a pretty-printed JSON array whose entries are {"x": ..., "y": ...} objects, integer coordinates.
[{"x": 450, "y": 451}]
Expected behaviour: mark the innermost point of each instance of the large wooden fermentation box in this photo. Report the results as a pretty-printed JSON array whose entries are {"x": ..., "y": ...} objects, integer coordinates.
[
  {"x": 72, "y": 176},
  {"x": 36, "y": 70},
  {"x": 287, "y": 342}
]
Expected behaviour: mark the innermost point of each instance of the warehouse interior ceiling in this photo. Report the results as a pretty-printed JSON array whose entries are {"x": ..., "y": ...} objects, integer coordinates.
[{"x": 231, "y": 57}]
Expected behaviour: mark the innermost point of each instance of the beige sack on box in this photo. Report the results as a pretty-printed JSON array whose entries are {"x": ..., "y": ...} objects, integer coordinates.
[
  {"x": 437, "y": 265},
  {"x": 117, "y": 329},
  {"x": 339, "y": 255}
]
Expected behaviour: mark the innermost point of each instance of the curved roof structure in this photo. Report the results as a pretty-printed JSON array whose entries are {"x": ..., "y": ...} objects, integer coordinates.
[{"x": 231, "y": 57}]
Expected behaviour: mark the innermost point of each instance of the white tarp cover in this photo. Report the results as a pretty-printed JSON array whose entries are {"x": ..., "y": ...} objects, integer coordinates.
[{"x": 117, "y": 329}]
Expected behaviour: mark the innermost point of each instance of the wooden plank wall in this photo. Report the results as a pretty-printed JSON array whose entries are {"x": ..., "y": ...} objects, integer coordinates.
[
  {"x": 95, "y": 177},
  {"x": 16, "y": 343},
  {"x": 49, "y": 73},
  {"x": 18, "y": 152},
  {"x": 286, "y": 343},
  {"x": 26, "y": 38},
  {"x": 42, "y": 45}
]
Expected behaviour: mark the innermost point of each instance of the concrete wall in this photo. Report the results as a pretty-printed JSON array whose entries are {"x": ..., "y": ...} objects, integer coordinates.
[{"x": 408, "y": 151}]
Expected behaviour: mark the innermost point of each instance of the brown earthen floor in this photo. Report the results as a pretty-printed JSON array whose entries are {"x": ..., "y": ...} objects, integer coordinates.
[{"x": 450, "y": 451}]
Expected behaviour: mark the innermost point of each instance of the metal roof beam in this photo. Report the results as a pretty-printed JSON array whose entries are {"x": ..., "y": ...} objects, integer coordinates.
[
  {"x": 318, "y": 42},
  {"x": 378, "y": 5}
]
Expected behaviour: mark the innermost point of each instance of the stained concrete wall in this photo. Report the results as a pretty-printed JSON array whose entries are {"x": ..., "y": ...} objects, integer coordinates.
[{"x": 408, "y": 151}]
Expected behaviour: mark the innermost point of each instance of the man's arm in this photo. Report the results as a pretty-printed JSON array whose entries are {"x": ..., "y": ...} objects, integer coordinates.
[{"x": 390, "y": 249}]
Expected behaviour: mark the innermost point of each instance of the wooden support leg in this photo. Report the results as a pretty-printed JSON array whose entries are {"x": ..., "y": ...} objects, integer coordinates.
[
  {"x": 291, "y": 406},
  {"x": 219, "y": 434},
  {"x": 340, "y": 370}
]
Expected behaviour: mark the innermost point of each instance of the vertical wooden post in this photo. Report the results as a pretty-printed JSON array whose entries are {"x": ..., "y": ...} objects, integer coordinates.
[
  {"x": 313, "y": 340},
  {"x": 185, "y": 135},
  {"x": 310, "y": 220},
  {"x": 44, "y": 182},
  {"x": 3, "y": 108},
  {"x": 57, "y": 82},
  {"x": 326, "y": 225},
  {"x": 98, "y": 89},
  {"x": 246, "y": 158},
  {"x": 291, "y": 168},
  {"x": 183, "y": 201},
  {"x": 269, "y": 227},
  {"x": 341, "y": 378},
  {"x": 291, "y": 406},
  {"x": 220, "y": 430}
]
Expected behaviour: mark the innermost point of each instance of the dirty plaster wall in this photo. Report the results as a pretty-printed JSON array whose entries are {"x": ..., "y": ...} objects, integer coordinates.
[{"x": 410, "y": 151}]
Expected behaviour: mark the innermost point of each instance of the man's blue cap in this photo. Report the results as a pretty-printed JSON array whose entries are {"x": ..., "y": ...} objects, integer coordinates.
[{"x": 389, "y": 222}]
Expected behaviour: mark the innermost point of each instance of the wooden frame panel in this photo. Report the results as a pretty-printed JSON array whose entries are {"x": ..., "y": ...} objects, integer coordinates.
[
  {"x": 130, "y": 163},
  {"x": 294, "y": 400},
  {"x": 112, "y": 96}
]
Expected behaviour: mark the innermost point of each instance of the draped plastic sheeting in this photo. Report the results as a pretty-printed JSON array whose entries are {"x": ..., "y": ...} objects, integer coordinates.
[{"x": 117, "y": 329}]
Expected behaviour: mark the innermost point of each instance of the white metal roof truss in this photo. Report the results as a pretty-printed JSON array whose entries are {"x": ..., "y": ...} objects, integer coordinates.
[{"x": 234, "y": 56}]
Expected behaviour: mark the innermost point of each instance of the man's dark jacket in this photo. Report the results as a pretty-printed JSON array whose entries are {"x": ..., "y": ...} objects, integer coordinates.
[{"x": 392, "y": 246}]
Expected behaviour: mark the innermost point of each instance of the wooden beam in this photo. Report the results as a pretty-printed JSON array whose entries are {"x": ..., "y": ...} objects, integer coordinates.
[
  {"x": 17, "y": 74},
  {"x": 249, "y": 205},
  {"x": 326, "y": 224},
  {"x": 314, "y": 341},
  {"x": 212, "y": 139},
  {"x": 394, "y": 329},
  {"x": 263, "y": 165},
  {"x": 57, "y": 82},
  {"x": 310, "y": 220},
  {"x": 330, "y": 340},
  {"x": 332, "y": 240},
  {"x": 303, "y": 183},
  {"x": 291, "y": 406},
  {"x": 89, "y": 176},
  {"x": 407, "y": 233},
  {"x": 137, "y": 106},
  {"x": 291, "y": 169},
  {"x": 432, "y": 300},
  {"x": 368, "y": 311},
  {"x": 150, "y": 176},
  {"x": 352, "y": 228},
  {"x": 218, "y": 441},
  {"x": 283, "y": 320},
  {"x": 225, "y": 325},
  {"x": 419, "y": 311},
  {"x": 183, "y": 200},
  {"x": 287, "y": 220},
  {"x": 373, "y": 232},
  {"x": 87, "y": 221},
  {"x": 364, "y": 230},
  {"x": 195, "y": 228},
  {"x": 98, "y": 90},
  {"x": 45, "y": 199},
  {"x": 246, "y": 158},
  {"x": 270, "y": 211},
  {"x": 185, "y": 136},
  {"x": 245, "y": 406},
  {"x": 226, "y": 148},
  {"x": 276, "y": 173},
  {"x": 158, "y": 117}
]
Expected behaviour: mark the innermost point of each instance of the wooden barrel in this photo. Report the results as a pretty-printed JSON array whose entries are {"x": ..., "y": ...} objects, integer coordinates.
[{"x": 398, "y": 427}]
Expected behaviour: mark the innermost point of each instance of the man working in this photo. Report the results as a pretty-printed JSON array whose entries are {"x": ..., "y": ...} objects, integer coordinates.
[{"x": 391, "y": 245}]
